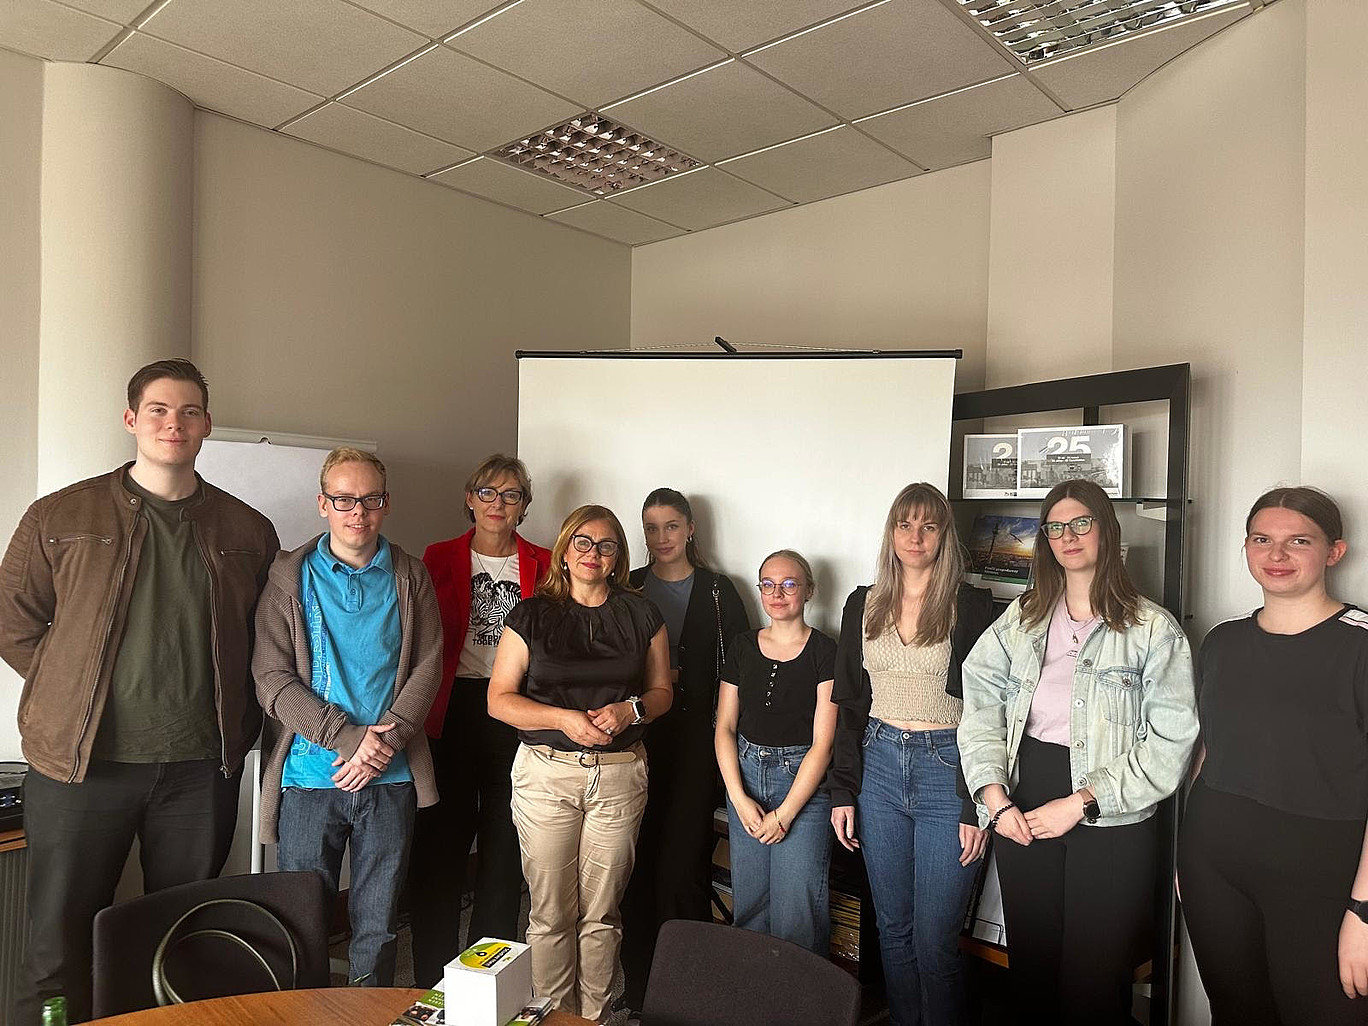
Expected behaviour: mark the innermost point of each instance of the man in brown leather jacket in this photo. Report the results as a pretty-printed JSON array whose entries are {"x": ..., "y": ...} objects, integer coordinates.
[{"x": 126, "y": 604}]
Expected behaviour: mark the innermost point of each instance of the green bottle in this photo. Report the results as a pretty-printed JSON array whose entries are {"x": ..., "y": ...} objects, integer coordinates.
[{"x": 54, "y": 1012}]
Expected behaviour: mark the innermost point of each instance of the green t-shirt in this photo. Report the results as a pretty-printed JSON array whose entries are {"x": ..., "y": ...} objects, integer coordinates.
[{"x": 161, "y": 697}]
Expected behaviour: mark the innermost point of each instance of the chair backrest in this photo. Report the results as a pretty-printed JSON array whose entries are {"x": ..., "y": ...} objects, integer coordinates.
[
  {"x": 127, "y": 936},
  {"x": 707, "y": 974}
]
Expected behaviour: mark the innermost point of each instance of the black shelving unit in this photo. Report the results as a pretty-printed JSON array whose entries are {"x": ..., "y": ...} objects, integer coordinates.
[{"x": 1171, "y": 384}]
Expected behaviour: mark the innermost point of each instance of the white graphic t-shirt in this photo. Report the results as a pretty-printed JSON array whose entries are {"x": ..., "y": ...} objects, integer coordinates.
[{"x": 494, "y": 590}]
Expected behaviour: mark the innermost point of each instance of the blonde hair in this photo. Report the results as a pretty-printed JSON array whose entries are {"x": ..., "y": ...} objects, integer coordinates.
[
  {"x": 796, "y": 557},
  {"x": 924, "y": 502},
  {"x": 346, "y": 454},
  {"x": 490, "y": 468},
  {"x": 556, "y": 584}
]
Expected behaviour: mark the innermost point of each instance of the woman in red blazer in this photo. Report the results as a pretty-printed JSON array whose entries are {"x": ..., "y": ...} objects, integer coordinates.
[{"x": 478, "y": 578}]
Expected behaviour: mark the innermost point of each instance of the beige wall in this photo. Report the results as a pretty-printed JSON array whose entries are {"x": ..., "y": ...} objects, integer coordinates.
[
  {"x": 21, "y": 114},
  {"x": 900, "y": 266},
  {"x": 1335, "y": 357},
  {"x": 337, "y": 298},
  {"x": 1050, "y": 267}
]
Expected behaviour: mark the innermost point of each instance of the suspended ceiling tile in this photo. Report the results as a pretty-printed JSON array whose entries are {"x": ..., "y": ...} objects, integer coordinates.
[
  {"x": 1095, "y": 76},
  {"x": 617, "y": 223},
  {"x": 122, "y": 11},
  {"x": 320, "y": 45},
  {"x": 738, "y": 26},
  {"x": 825, "y": 165},
  {"x": 754, "y": 111},
  {"x": 899, "y": 52},
  {"x": 495, "y": 180},
  {"x": 453, "y": 97},
  {"x": 364, "y": 135},
  {"x": 211, "y": 84},
  {"x": 50, "y": 30},
  {"x": 435, "y": 18},
  {"x": 700, "y": 199},
  {"x": 594, "y": 51},
  {"x": 956, "y": 128}
]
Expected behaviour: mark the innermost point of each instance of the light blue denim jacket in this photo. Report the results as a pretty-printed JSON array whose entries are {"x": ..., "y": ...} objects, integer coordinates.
[{"x": 1132, "y": 726}]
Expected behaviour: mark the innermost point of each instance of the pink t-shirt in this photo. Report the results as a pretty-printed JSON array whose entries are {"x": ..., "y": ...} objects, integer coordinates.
[{"x": 1048, "y": 719}]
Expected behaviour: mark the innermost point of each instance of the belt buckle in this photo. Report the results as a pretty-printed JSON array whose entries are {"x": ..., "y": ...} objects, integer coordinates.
[{"x": 585, "y": 765}]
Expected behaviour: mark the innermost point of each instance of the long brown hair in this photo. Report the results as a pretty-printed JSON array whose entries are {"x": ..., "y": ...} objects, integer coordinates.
[
  {"x": 1112, "y": 595},
  {"x": 556, "y": 584},
  {"x": 1311, "y": 503},
  {"x": 920, "y": 501},
  {"x": 672, "y": 499}
]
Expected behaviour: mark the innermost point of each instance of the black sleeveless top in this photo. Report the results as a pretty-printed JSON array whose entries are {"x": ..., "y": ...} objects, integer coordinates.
[{"x": 585, "y": 657}]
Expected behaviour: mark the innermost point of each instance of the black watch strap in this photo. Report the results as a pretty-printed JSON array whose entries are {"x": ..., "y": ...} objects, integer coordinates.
[
  {"x": 1359, "y": 908},
  {"x": 1091, "y": 811}
]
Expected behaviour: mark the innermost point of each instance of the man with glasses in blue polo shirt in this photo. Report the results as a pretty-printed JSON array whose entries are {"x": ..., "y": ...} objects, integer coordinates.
[{"x": 347, "y": 661}]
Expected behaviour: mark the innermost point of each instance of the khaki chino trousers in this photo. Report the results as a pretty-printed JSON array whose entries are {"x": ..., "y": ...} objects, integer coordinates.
[{"x": 577, "y": 823}]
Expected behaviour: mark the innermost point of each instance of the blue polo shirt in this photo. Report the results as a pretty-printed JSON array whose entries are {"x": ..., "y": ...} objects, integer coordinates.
[{"x": 354, "y": 638}]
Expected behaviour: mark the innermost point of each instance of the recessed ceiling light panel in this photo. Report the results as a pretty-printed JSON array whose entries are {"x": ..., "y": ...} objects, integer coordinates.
[
  {"x": 596, "y": 154},
  {"x": 1038, "y": 30}
]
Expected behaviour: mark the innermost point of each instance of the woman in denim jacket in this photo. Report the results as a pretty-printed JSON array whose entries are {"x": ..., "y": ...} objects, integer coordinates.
[{"x": 1079, "y": 718}]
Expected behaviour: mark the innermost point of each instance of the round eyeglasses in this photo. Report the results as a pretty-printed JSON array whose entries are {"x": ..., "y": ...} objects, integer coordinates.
[
  {"x": 788, "y": 586},
  {"x": 347, "y": 503},
  {"x": 510, "y": 496},
  {"x": 583, "y": 543},
  {"x": 1078, "y": 525}
]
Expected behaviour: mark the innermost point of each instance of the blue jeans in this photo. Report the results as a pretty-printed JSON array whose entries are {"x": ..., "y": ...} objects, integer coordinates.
[
  {"x": 908, "y": 824},
  {"x": 782, "y": 888},
  {"x": 315, "y": 826}
]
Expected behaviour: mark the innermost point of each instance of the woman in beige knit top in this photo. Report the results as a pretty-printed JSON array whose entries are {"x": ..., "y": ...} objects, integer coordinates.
[{"x": 896, "y": 765}]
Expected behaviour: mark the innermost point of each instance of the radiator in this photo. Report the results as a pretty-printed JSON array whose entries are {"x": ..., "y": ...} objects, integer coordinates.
[{"x": 13, "y": 926}]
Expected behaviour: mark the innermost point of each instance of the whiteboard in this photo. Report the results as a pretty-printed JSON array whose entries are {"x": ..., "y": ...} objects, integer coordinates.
[
  {"x": 804, "y": 453},
  {"x": 276, "y": 474}
]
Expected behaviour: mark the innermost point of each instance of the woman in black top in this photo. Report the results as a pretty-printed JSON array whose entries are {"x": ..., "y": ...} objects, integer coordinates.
[
  {"x": 702, "y": 611},
  {"x": 775, "y": 723},
  {"x": 581, "y": 667},
  {"x": 1272, "y": 857}
]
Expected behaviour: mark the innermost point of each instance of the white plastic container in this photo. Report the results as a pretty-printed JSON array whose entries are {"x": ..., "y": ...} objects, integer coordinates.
[{"x": 488, "y": 983}]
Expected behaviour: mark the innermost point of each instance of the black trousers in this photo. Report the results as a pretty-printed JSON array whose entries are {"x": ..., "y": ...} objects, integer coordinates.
[
  {"x": 1079, "y": 908},
  {"x": 79, "y": 836},
  {"x": 1264, "y": 893},
  {"x": 473, "y": 761},
  {"x": 673, "y": 874}
]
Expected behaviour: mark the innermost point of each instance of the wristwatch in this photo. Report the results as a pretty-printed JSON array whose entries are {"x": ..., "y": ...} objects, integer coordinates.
[
  {"x": 1359, "y": 908},
  {"x": 638, "y": 707},
  {"x": 1091, "y": 812}
]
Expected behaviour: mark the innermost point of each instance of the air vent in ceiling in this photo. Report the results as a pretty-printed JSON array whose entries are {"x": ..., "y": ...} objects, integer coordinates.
[
  {"x": 1038, "y": 30},
  {"x": 597, "y": 154}
]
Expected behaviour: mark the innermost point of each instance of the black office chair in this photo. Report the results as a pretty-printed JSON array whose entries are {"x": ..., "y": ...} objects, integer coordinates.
[
  {"x": 707, "y": 974},
  {"x": 262, "y": 931}
]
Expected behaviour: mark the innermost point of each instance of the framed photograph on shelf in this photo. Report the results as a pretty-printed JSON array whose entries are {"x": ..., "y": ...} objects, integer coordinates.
[
  {"x": 1000, "y": 551},
  {"x": 990, "y": 467},
  {"x": 1046, "y": 456}
]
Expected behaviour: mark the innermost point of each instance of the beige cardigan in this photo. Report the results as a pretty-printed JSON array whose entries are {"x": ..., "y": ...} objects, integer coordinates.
[{"x": 281, "y": 664}]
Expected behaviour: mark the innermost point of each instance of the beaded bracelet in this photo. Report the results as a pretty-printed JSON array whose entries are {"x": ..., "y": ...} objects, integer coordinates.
[{"x": 992, "y": 823}]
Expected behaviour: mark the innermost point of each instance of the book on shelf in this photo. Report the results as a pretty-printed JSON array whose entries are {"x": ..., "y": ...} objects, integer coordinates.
[
  {"x": 1000, "y": 552},
  {"x": 990, "y": 466},
  {"x": 1047, "y": 456}
]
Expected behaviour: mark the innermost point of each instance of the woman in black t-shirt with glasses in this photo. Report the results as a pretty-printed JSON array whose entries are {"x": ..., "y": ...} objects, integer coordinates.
[
  {"x": 775, "y": 728},
  {"x": 582, "y": 666},
  {"x": 1272, "y": 859}
]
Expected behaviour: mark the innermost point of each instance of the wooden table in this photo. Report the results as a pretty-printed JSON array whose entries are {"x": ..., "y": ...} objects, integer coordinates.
[{"x": 343, "y": 1006}]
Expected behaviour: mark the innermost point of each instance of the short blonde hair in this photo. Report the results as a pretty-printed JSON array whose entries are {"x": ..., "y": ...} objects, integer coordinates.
[
  {"x": 346, "y": 454},
  {"x": 796, "y": 557},
  {"x": 492, "y": 467},
  {"x": 556, "y": 584}
]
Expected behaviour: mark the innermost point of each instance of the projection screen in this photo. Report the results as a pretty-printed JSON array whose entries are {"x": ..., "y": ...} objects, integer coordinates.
[{"x": 802, "y": 452}]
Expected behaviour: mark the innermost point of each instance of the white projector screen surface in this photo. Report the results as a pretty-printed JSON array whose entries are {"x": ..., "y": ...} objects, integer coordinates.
[{"x": 777, "y": 452}]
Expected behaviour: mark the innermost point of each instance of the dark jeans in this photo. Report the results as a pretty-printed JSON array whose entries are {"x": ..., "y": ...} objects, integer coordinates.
[
  {"x": 1079, "y": 908},
  {"x": 79, "y": 837},
  {"x": 673, "y": 874},
  {"x": 473, "y": 761},
  {"x": 909, "y": 834},
  {"x": 1263, "y": 896},
  {"x": 316, "y": 825}
]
